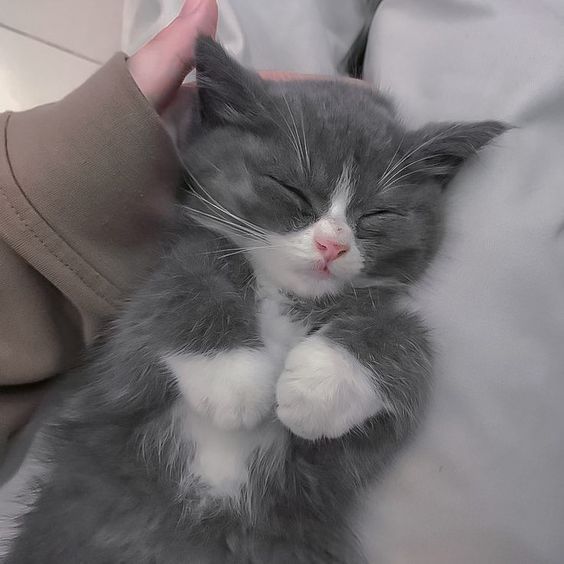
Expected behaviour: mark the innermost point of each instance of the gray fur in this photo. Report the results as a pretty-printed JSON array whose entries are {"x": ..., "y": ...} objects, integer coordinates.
[{"x": 119, "y": 487}]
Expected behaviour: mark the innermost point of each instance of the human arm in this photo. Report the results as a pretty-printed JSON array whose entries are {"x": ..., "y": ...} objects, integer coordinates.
[{"x": 86, "y": 185}]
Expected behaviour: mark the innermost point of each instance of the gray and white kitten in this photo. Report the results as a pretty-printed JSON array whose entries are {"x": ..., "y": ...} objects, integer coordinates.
[{"x": 265, "y": 373}]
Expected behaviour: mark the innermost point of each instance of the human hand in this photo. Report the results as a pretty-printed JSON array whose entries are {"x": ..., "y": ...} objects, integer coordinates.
[{"x": 161, "y": 65}]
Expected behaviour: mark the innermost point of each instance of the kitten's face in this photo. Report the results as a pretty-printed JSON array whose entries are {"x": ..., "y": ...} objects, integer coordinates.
[{"x": 318, "y": 181}]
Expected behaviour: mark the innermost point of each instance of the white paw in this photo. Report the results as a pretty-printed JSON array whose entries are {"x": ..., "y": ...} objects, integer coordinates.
[
  {"x": 235, "y": 388},
  {"x": 324, "y": 391}
]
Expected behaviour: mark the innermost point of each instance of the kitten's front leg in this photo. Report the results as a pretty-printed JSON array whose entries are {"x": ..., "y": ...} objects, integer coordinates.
[
  {"x": 337, "y": 379},
  {"x": 324, "y": 391},
  {"x": 203, "y": 315},
  {"x": 235, "y": 388}
]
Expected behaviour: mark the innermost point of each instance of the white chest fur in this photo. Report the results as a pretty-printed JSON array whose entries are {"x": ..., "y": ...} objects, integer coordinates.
[
  {"x": 230, "y": 398},
  {"x": 278, "y": 332},
  {"x": 222, "y": 456}
]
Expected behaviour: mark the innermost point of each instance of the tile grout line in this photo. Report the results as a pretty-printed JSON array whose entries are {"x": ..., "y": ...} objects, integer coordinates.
[{"x": 49, "y": 44}]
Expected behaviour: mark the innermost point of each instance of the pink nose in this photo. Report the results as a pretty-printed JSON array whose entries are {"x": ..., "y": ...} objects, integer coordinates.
[{"x": 331, "y": 250}]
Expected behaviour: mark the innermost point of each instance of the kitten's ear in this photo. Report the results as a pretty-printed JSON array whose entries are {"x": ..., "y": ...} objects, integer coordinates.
[
  {"x": 229, "y": 93},
  {"x": 437, "y": 151}
]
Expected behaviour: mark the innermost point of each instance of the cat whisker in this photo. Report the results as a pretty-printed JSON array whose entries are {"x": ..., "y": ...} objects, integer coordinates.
[
  {"x": 296, "y": 140},
  {"x": 218, "y": 219},
  {"x": 247, "y": 249},
  {"x": 391, "y": 161},
  {"x": 424, "y": 144},
  {"x": 212, "y": 202},
  {"x": 215, "y": 167},
  {"x": 218, "y": 251},
  {"x": 242, "y": 223},
  {"x": 249, "y": 224},
  {"x": 392, "y": 183},
  {"x": 231, "y": 227},
  {"x": 393, "y": 186},
  {"x": 432, "y": 139},
  {"x": 242, "y": 249},
  {"x": 396, "y": 176},
  {"x": 406, "y": 166},
  {"x": 239, "y": 252},
  {"x": 287, "y": 133},
  {"x": 294, "y": 143},
  {"x": 306, "y": 148},
  {"x": 297, "y": 134},
  {"x": 236, "y": 227}
]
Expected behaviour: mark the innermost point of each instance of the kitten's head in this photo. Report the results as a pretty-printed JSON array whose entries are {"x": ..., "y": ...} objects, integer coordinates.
[{"x": 319, "y": 180}]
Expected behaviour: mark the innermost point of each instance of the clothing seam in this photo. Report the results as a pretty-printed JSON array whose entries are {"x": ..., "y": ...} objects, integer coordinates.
[{"x": 43, "y": 243}]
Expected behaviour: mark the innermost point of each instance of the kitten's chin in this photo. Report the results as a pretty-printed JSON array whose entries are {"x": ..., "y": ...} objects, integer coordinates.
[
  {"x": 315, "y": 287},
  {"x": 300, "y": 280},
  {"x": 305, "y": 285}
]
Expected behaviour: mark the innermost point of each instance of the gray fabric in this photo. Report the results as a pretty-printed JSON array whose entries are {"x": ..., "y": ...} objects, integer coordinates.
[
  {"x": 483, "y": 482},
  {"x": 299, "y": 35}
]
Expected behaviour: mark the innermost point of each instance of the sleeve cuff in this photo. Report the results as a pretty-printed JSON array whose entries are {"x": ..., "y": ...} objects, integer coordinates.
[{"x": 86, "y": 184}]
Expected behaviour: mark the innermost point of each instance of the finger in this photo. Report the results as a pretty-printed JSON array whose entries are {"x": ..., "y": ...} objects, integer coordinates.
[
  {"x": 177, "y": 116},
  {"x": 161, "y": 65}
]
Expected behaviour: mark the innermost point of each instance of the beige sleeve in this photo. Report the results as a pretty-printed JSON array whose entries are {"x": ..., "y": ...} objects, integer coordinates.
[{"x": 86, "y": 185}]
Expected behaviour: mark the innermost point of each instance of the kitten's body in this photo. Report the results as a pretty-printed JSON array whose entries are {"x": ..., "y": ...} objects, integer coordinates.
[
  {"x": 125, "y": 484},
  {"x": 237, "y": 410}
]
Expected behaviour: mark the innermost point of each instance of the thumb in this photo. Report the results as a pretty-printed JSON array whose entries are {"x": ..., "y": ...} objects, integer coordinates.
[{"x": 161, "y": 65}]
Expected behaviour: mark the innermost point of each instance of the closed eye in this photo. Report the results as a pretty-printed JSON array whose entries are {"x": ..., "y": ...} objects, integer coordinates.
[
  {"x": 379, "y": 221},
  {"x": 385, "y": 212},
  {"x": 293, "y": 190}
]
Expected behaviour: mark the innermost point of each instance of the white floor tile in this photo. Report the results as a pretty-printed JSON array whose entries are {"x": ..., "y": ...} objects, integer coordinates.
[
  {"x": 32, "y": 73},
  {"x": 91, "y": 28}
]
